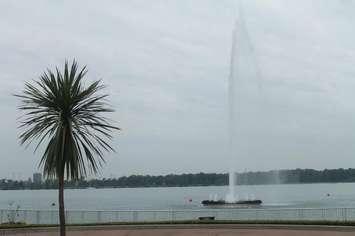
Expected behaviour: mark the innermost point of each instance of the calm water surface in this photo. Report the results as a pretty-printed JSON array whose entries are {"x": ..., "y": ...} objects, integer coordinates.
[{"x": 277, "y": 196}]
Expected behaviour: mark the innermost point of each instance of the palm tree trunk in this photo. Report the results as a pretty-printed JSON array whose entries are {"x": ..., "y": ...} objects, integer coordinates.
[
  {"x": 61, "y": 206},
  {"x": 61, "y": 189}
]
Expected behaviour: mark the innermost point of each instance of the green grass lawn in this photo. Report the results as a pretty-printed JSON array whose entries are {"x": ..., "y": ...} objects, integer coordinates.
[{"x": 193, "y": 222}]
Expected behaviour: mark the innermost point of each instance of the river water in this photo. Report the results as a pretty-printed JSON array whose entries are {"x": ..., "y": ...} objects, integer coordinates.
[{"x": 273, "y": 196}]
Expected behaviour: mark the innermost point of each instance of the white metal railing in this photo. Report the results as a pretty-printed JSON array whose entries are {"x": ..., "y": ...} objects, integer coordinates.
[{"x": 94, "y": 216}]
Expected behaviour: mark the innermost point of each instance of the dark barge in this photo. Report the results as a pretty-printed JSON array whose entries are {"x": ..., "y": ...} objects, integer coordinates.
[{"x": 224, "y": 203}]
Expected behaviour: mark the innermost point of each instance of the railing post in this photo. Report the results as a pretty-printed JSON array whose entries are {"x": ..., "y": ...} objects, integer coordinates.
[
  {"x": 112, "y": 216},
  {"x": 323, "y": 214},
  {"x": 117, "y": 216},
  {"x": 24, "y": 216},
  {"x": 302, "y": 214},
  {"x": 345, "y": 214},
  {"x": 236, "y": 215},
  {"x": 38, "y": 216},
  {"x": 173, "y": 215},
  {"x": 82, "y": 214},
  {"x": 99, "y": 216},
  {"x": 52, "y": 217},
  {"x": 135, "y": 216},
  {"x": 67, "y": 217}
]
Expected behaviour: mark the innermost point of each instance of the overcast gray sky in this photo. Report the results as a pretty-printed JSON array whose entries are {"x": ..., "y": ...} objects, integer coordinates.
[{"x": 166, "y": 65}]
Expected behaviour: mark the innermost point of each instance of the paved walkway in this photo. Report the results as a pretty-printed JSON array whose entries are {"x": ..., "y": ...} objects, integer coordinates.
[{"x": 198, "y": 230}]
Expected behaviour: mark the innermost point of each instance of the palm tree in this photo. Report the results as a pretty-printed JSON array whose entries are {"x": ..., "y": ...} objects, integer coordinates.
[{"x": 65, "y": 115}]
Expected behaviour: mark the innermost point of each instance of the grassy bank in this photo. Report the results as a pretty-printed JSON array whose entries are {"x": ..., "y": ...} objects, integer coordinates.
[{"x": 192, "y": 222}]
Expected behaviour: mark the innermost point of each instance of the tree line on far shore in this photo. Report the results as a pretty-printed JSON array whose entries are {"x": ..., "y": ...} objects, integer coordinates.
[{"x": 200, "y": 179}]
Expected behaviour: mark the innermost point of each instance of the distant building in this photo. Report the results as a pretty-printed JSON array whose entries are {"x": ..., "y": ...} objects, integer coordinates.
[{"x": 37, "y": 178}]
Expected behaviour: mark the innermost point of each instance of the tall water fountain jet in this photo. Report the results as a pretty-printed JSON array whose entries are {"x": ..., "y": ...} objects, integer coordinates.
[
  {"x": 230, "y": 197},
  {"x": 243, "y": 89}
]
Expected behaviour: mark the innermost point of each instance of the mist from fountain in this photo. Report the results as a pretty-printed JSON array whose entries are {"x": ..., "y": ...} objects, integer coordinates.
[{"x": 230, "y": 197}]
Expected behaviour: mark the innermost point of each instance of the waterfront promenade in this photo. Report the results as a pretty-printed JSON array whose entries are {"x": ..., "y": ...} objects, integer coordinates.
[{"x": 190, "y": 230}]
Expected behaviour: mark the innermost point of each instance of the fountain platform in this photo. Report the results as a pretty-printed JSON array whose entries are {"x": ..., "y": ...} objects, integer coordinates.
[{"x": 225, "y": 203}]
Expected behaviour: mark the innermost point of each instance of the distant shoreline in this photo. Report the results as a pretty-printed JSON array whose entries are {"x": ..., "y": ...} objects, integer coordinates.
[{"x": 295, "y": 176}]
